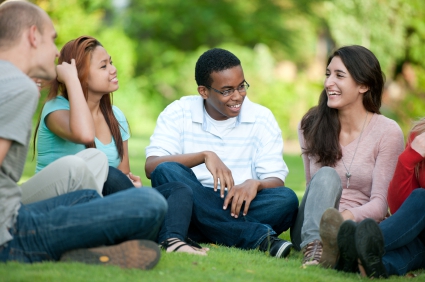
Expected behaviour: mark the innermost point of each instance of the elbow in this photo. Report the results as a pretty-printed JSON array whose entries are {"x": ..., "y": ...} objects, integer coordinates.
[
  {"x": 148, "y": 169},
  {"x": 150, "y": 166},
  {"x": 85, "y": 139},
  {"x": 148, "y": 172}
]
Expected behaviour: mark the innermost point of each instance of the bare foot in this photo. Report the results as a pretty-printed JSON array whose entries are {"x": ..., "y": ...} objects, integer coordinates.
[{"x": 185, "y": 248}]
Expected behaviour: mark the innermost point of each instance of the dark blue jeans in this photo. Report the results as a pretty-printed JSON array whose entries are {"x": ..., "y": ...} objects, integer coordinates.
[
  {"x": 180, "y": 201},
  {"x": 404, "y": 236},
  {"x": 116, "y": 181},
  {"x": 82, "y": 219},
  {"x": 271, "y": 212}
]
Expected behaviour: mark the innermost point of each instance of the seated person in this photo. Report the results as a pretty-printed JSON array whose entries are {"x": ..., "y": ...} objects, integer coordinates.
[
  {"x": 348, "y": 150},
  {"x": 397, "y": 245},
  {"x": 79, "y": 114},
  {"x": 64, "y": 125},
  {"x": 75, "y": 225},
  {"x": 221, "y": 140}
]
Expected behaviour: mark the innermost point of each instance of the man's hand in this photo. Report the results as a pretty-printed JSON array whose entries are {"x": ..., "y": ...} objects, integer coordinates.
[
  {"x": 245, "y": 192},
  {"x": 418, "y": 144},
  {"x": 219, "y": 171}
]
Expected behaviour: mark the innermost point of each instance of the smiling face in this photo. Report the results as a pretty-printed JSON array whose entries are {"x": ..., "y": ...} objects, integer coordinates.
[
  {"x": 342, "y": 90},
  {"x": 218, "y": 106},
  {"x": 102, "y": 77}
]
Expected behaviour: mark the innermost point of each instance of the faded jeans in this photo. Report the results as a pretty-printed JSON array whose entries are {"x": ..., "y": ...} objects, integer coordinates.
[
  {"x": 82, "y": 219},
  {"x": 324, "y": 191}
]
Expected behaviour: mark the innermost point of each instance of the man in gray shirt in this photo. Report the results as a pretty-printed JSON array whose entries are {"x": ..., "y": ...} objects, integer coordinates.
[{"x": 71, "y": 226}]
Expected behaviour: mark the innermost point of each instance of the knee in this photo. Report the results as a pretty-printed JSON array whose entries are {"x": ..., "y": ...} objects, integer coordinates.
[
  {"x": 328, "y": 179},
  {"x": 285, "y": 198},
  {"x": 418, "y": 194},
  {"x": 75, "y": 166},
  {"x": 290, "y": 199},
  {"x": 150, "y": 198},
  {"x": 182, "y": 188},
  {"x": 93, "y": 154}
]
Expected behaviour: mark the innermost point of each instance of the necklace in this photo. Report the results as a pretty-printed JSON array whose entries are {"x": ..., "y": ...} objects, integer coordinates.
[{"x": 348, "y": 174}]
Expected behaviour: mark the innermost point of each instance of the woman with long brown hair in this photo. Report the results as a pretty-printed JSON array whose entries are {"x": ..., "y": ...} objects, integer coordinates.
[
  {"x": 79, "y": 114},
  {"x": 349, "y": 151}
]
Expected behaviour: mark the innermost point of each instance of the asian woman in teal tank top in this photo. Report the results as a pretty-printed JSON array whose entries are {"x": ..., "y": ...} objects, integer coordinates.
[{"x": 79, "y": 114}]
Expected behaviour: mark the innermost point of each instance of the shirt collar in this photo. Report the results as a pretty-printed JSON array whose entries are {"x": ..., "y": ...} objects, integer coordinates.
[{"x": 246, "y": 114}]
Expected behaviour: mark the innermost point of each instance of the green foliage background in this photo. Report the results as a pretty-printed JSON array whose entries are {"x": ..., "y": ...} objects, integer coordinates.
[{"x": 283, "y": 46}]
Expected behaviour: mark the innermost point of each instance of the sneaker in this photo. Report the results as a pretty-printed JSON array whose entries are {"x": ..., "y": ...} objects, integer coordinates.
[
  {"x": 347, "y": 261},
  {"x": 312, "y": 253},
  {"x": 329, "y": 225},
  {"x": 276, "y": 247},
  {"x": 140, "y": 254},
  {"x": 370, "y": 248}
]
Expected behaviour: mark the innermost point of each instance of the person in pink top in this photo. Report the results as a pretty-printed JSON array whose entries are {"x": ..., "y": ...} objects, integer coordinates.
[{"x": 349, "y": 152}]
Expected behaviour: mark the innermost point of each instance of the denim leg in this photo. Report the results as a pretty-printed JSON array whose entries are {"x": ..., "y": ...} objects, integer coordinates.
[
  {"x": 45, "y": 230},
  {"x": 272, "y": 208},
  {"x": 404, "y": 259},
  {"x": 324, "y": 191},
  {"x": 403, "y": 232},
  {"x": 115, "y": 182},
  {"x": 407, "y": 223},
  {"x": 180, "y": 201}
]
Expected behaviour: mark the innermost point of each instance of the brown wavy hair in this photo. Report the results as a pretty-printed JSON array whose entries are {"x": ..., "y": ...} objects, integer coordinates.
[
  {"x": 321, "y": 125},
  {"x": 81, "y": 50}
]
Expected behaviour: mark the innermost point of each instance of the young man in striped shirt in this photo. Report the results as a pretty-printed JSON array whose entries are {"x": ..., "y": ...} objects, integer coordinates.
[{"x": 222, "y": 141}]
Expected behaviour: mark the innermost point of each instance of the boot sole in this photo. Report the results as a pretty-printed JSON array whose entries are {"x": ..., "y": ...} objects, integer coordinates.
[
  {"x": 370, "y": 248},
  {"x": 347, "y": 261},
  {"x": 329, "y": 226},
  {"x": 141, "y": 254}
]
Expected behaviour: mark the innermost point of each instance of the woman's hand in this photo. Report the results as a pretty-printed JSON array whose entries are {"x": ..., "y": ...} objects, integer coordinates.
[
  {"x": 66, "y": 71},
  {"x": 418, "y": 144},
  {"x": 137, "y": 182}
]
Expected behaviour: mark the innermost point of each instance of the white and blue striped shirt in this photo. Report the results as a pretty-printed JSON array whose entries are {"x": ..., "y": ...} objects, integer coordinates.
[{"x": 251, "y": 150}]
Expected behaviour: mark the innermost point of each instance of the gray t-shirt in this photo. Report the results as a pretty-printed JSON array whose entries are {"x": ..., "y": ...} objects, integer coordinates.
[{"x": 18, "y": 102}]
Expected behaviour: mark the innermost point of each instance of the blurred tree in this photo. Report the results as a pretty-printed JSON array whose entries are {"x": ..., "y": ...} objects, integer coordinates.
[{"x": 283, "y": 45}]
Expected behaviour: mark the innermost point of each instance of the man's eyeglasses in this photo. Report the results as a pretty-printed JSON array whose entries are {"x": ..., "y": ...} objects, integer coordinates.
[{"x": 241, "y": 89}]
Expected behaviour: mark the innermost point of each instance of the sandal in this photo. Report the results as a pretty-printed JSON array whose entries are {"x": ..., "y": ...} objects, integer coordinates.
[{"x": 173, "y": 241}]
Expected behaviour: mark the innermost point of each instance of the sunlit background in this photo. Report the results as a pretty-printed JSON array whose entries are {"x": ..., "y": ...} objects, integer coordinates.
[{"x": 283, "y": 46}]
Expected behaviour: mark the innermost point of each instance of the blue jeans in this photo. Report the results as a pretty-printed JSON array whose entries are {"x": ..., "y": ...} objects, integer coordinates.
[
  {"x": 271, "y": 212},
  {"x": 82, "y": 219},
  {"x": 116, "y": 181},
  {"x": 180, "y": 201},
  {"x": 404, "y": 236}
]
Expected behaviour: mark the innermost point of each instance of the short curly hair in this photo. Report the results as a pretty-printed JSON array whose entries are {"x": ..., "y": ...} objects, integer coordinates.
[{"x": 213, "y": 60}]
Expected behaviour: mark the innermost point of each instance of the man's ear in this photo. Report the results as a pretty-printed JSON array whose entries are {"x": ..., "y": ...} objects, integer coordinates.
[
  {"x": 203, "y": 91},
  {"x": 33, "y": 36},
  {"x": 364, "y": 89}
]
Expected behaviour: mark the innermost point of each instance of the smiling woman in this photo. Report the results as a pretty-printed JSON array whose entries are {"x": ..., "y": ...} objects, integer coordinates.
[
  {"x": 349, "y": 151},
  {"x": 79, "y": 113}
]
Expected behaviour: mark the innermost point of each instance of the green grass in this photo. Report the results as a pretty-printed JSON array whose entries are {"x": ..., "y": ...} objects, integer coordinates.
[{"x": 222, "y": 263}]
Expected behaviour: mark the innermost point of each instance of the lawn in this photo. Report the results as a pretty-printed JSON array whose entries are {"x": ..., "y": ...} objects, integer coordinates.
[{"x": 222, "y": 263}]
